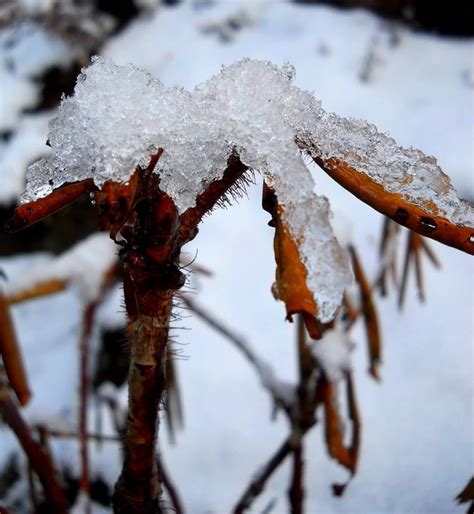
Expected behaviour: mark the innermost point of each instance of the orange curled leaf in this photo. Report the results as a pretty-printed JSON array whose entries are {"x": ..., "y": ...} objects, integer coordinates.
[
  {"x": 11, "y": 355},
  {"x": 32, "y": 212},
  {"x": 290, "y": 285},
  {"x": 370, "y": 315},
  {"x": 398, "y": 207}
]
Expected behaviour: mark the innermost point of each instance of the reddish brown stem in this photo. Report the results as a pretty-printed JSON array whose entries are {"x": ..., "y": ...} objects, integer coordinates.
[
  {"x": 39, "y": 459},
  {"x": 138, "y": 488}
]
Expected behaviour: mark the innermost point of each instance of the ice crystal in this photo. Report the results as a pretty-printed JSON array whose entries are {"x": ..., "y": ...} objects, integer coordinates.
[{"x": 119, "y": 115}]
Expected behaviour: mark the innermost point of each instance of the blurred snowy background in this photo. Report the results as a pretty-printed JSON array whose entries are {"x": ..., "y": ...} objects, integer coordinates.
[{"x": 418, "y": 423}]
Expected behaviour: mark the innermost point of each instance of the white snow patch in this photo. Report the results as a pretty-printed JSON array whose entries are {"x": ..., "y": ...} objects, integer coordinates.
[
  {"x": 26, "y": 145},
  {"x": 84, "y": 266},
  {"x": 17, "y": 93},
  {"x": 333, "y": 352}
]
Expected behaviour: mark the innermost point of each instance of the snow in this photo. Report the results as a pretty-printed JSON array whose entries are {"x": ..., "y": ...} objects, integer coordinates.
[
  {"x": 120, "y": 115},
  {"x": 26, "y": 146},
  {"x": 84, "y": 266},
  {"x": 417, "y": 91},
  {"x": 333, "y": 353}
]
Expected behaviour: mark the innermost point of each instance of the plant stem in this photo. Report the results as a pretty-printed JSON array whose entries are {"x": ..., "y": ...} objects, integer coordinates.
[
  {"x": 39, "y": 460},
  {"x": 138, "y": 488},
  {"x": 84, "y": 380}
]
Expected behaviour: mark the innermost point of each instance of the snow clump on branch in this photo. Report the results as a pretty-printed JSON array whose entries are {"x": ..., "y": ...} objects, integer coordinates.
[{"x": 120, "y": 115}]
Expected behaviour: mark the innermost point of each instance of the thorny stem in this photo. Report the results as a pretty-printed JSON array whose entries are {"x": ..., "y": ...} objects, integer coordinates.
[
  {"x": 138, "y": 488},
  {"x": 38, "y": 458}
]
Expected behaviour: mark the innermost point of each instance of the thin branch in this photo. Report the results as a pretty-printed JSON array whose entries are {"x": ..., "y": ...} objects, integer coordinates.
[
  {"x": 258, "y": 483},
  {"x": 170, "y": 487},
  {"x": 11, "y": 355},
  {"x": 40, "y": 460},
  {"x": 264, "y": 370},
  {"x": 296, "y": 491},
  {"x": 66, "y": 434},
  {"x": 84, "y": 348}
]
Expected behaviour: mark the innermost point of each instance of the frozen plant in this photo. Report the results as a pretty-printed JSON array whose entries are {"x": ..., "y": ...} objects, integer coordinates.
[{"x": 158, "y": 159}]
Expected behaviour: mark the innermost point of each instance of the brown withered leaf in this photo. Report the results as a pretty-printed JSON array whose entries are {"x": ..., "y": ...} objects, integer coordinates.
[
  {"x": 290, "y": 285},
  {"x": 346, "y": 456},
  {"x": 370, "y": 315},
  {"x": 397, "y": 206}
]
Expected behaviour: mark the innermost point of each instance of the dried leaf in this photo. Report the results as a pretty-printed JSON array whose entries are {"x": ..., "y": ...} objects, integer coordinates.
[
  {"x": 370, "y": 315},
  {"x": 399, "y": 207},
  {"x": 346, "y": 456},
  {"x": 290, "y": 286}
]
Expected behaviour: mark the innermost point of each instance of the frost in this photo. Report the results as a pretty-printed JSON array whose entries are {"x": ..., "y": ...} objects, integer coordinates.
[
  {"x": 333, "y": 352},
  {"x": 119, "y": 115},
  {"x": 84, "y": 266}
]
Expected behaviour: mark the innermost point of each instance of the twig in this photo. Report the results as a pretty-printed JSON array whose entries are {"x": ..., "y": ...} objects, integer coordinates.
[
  {"x": 37, "y": 291},
  {"x": 302, "y": 416},
  {"x": 257, "y": 485},
  {"x": 264, "y": 371},
  {"x": 296, "y": 491},
  {"x": 32, "y": 488},
  {"x": 64, "y": 434},
  {"x": 84, "y": 344},
  {"x": 40, "y": 461},
  {"x": 170, "y": 487},
  {"x": 11, "y": 355}
]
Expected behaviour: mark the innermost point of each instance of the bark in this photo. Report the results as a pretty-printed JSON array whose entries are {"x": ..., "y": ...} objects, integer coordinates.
[{"x": 138, "y": 488}]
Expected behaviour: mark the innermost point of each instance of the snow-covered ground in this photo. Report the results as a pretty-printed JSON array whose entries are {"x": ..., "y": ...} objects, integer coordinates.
[{"x": 418, "y": 422}]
